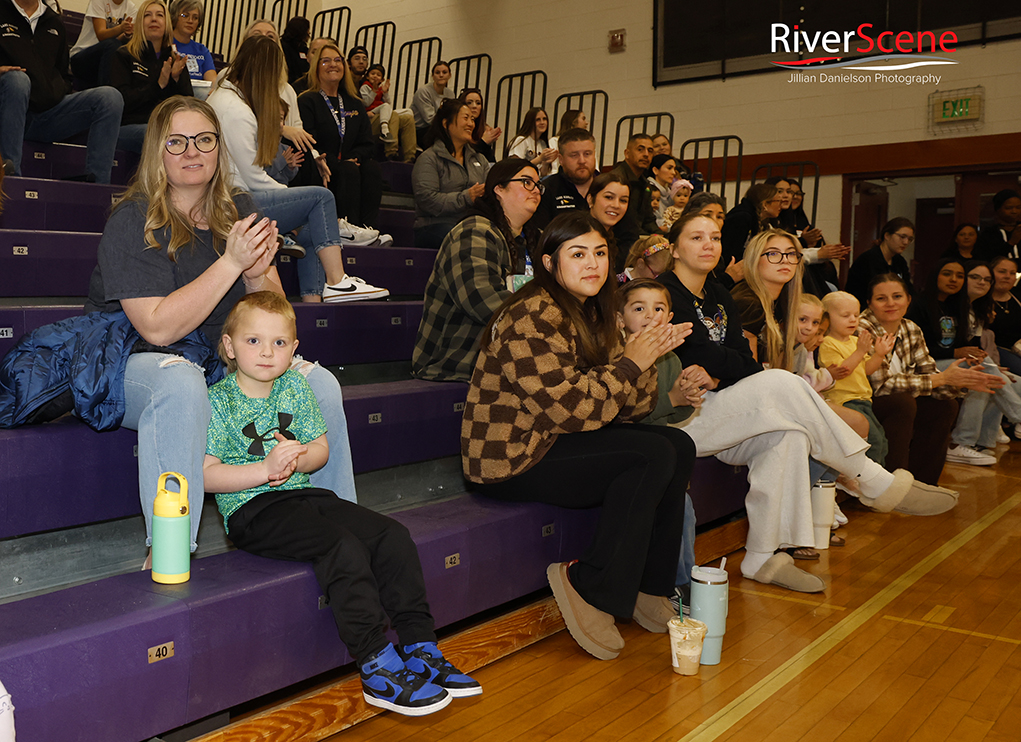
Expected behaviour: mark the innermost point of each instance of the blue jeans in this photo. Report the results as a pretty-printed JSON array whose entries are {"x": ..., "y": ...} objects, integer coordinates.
[
  {"x": 1010, "y": 360},
  {"x": 978, "y": 421},
  {"x": 98, "y": 110},
  {"x": 315, "y": 209},
  {"x": 167, "y": 402},
  {"x": 131, "y": 138},
  {"x": 92, "y": 64},
  {"x": 687, "y": 558}
]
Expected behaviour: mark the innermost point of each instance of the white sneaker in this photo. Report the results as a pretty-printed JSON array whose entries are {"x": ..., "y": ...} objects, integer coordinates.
[
  {"x": 354, "y": 235},
  {"x": 352, "y": 288},
  {"x": 384, "y": 240},
  {"x": 385, "y": 135},
  {"x": 1002, "y": 437},
  {"x": 839, "y": 519},
  {"x": 968, "y": 455},
  {"x": 1017, "y": 431}
]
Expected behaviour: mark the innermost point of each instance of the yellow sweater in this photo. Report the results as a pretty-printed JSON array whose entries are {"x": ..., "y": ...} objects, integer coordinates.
[{"x": 854, "y": 386}]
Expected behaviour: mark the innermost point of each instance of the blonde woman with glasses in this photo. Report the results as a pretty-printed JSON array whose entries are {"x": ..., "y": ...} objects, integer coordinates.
[{"x": 180, "y": 248}]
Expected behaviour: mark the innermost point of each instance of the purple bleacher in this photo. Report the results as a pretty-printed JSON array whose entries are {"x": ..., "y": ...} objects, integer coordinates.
[
  {"x": 78, "y": 659},
  {"x": 332, "y": 334},
  {"x": 399, "y": 224},
  {"x": 358, "y": 332},
  {"x": 397, "y": 175},
  {"x": 62, "y": 160},
  {"x": 243, "y": 626},
  {"x": 15, "y": 321},
  {"x": 401, "y": 422},
  {"x": 56, "y": 205},
  {"x": 46, "y": 263},
  {"x": 403, "y": 270},
  {"x": 93, "y": 476},
  {"x": 89, "y": 476}
]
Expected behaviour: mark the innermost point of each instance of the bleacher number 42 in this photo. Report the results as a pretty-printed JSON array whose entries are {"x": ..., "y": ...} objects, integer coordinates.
[{"x": 21, "y": 249}]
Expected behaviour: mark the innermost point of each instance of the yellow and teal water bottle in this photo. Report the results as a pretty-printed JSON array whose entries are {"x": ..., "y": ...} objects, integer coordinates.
[{"x": 171, "y": 532}]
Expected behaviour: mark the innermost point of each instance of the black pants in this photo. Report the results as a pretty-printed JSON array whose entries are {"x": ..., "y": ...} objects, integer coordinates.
[
  {"x": 358, "y": 190},
  {"x": 918, "y": 431},
  {"x": 366, "y": 564},
  {"x": 638, "y": 473}
]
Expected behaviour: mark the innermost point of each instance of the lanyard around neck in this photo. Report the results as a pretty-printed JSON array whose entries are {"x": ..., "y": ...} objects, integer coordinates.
[{"x": 340, "y": 118}]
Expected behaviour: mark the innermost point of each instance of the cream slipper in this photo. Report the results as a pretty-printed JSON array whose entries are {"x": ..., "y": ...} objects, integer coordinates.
[
  {"x": 908, "y": 496},
  {"x": 779, "y": 570},
  {"x": 652, "y": 612}
]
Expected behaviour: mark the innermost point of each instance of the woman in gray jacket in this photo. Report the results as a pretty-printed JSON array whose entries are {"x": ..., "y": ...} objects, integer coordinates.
[{"x": 448, "y": 176}]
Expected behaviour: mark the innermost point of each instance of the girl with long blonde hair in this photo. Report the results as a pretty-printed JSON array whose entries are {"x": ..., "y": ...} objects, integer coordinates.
[
  {"x": 247, "y": 102},
  {"x": 770, "y": 296}
]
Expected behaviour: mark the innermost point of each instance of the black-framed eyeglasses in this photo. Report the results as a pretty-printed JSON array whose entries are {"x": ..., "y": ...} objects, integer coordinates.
[
  {"x": 529, "y": 184},
  {"x": 776, "y": 257},
  {"x": 979, "y": 279},
  {"x": 205, "y": 141}
]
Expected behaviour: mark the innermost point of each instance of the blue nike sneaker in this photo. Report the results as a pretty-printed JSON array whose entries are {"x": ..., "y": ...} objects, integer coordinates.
[
  {"x": 389, "y": 684},
  {"x": 426, "y": 659}
]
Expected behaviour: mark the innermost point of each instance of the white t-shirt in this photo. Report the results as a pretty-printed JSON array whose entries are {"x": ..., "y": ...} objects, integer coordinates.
[{"x": 105, "y": 10}]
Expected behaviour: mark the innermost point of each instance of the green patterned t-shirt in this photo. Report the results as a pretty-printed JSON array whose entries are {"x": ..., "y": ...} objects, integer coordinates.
[{"x": 241, "y": 429}]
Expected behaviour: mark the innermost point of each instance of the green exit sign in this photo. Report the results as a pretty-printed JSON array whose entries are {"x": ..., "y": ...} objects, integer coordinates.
[{"x": 957, "y": 108}]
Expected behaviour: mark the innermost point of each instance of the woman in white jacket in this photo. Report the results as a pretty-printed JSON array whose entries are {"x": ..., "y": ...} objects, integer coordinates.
[{"x": 247, "y": 95}]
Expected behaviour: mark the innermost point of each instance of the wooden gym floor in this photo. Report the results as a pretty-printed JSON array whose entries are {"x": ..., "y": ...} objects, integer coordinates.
[{"x": 916, "y": 638}]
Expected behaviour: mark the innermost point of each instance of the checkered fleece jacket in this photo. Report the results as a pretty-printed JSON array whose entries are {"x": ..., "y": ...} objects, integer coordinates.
[
  {"x": 529, "y": 387},
  {"x": 914, "y": 359},
  {"x": 468, "y": 284}
]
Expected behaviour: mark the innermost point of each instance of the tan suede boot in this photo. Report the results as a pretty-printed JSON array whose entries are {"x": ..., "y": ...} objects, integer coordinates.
[{"x": 592, "y": 628}]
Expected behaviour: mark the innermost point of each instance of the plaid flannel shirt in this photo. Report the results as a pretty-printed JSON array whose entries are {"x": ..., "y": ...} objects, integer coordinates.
[
  {"x": 468, "y": 284},
  {"x": 915, "y": 361},
  {"x": 529, "y": 387}
]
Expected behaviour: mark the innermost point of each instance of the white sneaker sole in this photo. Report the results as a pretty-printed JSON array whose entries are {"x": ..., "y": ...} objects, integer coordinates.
[
  {"x": 408, "y": 710},
  {"x": 970, "y": 462},
  {"x": 359, "y": 296}
]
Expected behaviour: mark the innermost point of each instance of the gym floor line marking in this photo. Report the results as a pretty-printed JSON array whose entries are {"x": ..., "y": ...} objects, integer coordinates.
[
  {"x": 759, "y": 693},
  {"x": 938, "y": 614},
  {"x": 789, "y": 599},
  {"x": 941, "y": 627}
]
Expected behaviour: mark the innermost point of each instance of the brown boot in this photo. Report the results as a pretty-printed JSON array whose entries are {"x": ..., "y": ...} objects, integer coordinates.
[
  {"x": 593, "y": 629},
  {"x": 652, "y": 612}
]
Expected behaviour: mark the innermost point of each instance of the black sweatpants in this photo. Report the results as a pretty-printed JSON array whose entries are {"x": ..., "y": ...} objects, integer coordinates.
[
  {"x": 639, "y": 474},
  {"x": 366, "y": 564}
]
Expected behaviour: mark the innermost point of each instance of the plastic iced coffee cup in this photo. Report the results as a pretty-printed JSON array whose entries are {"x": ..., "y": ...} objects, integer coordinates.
[{"x": 686, "y": 636}]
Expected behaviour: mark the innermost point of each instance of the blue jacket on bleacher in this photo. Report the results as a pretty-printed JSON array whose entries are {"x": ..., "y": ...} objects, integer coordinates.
[{"x": 78, "y": 364}]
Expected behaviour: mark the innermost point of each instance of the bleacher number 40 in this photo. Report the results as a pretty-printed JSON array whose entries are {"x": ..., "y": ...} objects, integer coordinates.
[{"x": 161, "y": 652}]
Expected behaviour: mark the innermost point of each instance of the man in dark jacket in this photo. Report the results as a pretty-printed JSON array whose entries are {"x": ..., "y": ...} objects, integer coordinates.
[
  {"x": 35, "y": 90},
  {"x": 639, "y": 218},
  {"x": 567, "y": 189}
]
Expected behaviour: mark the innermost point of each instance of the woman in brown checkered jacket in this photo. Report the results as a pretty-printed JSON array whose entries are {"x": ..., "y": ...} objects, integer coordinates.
[{"x": 551, "y": 386}]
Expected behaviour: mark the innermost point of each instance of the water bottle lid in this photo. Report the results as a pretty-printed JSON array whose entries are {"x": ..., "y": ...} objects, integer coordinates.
[{"x": 709, "y": 575}]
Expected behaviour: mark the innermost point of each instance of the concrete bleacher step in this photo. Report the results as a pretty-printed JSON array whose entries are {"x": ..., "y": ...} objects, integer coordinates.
[
  {"x": 65, "y": 160},
  {"x": 56, "y": 205},
  {"x": 50, "y": 560}
]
